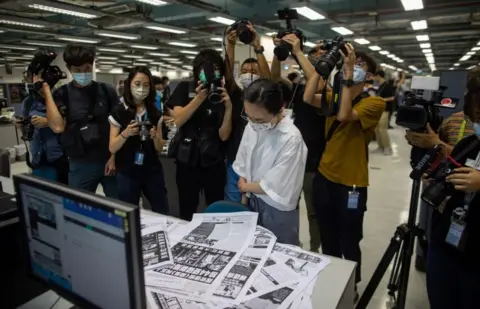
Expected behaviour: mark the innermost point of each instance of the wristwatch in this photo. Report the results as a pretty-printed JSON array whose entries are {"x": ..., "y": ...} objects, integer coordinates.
[
  {"x": 260, "y": 50},
  {"x": 348, "y": 82}
]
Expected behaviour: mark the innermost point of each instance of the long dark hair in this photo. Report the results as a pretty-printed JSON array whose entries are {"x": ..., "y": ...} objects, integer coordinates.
[
  {"x": 472, "y": 96},
  {"x": 152, "y": 94},
  {"x": 207, "y": 55}
]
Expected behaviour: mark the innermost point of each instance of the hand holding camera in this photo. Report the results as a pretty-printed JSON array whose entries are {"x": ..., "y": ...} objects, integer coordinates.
[
  {"x": 39, "y": 121},
  {"x": 349, "y": 59},
  {"x": 231, "y": 36},
  {"x": 465, "y": 179},
  {"x": 423, "y": 140},
  {"x": 276, "y": 40},
  {"x": 294, "y": 41},
  {"x": 131, "y": 130},
  {"x": 201, "y": 91},
  {"x": 225, "y": 98},
  {"x": 255, "y": 43}
]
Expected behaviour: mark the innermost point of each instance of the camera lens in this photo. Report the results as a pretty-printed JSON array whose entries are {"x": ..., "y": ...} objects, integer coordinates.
[
  {"x": 327, "y": 62},
  {"x": 282, "y": 51},
  {"x": 215, "y": 97},
  {"x": 435, "y": 194}
]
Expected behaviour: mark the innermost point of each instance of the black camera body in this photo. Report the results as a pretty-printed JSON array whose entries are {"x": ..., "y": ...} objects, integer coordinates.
[
  {"x": 144, "y": 132},
  {"x": 329, "y": 60},
  {"x": 27, "y": 128},
  {"x": 243, "y": 33},
  {"x": 41, "y": 64},
  {"x": 438, "y": 191},
  {"x": 283, "y": 50},
  {"x": 212, "y": 82}
]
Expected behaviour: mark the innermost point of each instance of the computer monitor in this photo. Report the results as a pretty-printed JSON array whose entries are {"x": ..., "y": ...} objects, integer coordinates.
[{"x": 86, "y": 247}]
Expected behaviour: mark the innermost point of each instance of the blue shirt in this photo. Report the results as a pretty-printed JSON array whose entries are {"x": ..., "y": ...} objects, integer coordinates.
[{"x": 45, "y": 142}]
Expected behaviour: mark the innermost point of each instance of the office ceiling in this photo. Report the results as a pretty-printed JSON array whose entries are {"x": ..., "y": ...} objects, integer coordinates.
[{"x": 127, "y": 32}]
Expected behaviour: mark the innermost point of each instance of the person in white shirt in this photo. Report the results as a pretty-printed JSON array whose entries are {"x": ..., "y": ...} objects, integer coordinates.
[{"x": 271, "y": 161}]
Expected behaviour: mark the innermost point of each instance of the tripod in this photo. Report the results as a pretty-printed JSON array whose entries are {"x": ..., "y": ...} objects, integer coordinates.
[{"x": 400, "y": 250}]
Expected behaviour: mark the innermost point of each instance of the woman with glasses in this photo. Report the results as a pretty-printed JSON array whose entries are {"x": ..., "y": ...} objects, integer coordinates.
[{"x": 271, "y": 161}]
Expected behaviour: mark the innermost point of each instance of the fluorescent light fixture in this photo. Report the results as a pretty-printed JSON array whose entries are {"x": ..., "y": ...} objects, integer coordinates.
[
  {"x": 19, "y": 47},
  {"x": 170, "y": 59},
  {"x": 190, "y": 57},
  {"x": 430, "y": 59},
  {"x": 475, "y": 49},
  {"x": 374, "y": 48},
  {"x": 217, "y": 39},
  {"x": 106, "y": 62},
  {"x": 219, "y": 49},
  {"x": 169, "y": 29},
  {"x": 425, "y": 45},
  {"x": 411, "y": 5},
  {"x": 158, "y": 54},
  {"x": 465, "y": 58},
  {"x": 2, "y": 51},
  {"x": 145, "y": 60},
  {"x": 433, "y": 67},
  {"x": 271, "y": 33},
  {"x": 451, "y": 69},
  {"x": 111, "y": 50},
  {"x": 362, "y": 41},
  {"x": 153, "y": 2},
  {"x": 400, "y": 61},
  {"x": 191, "y": 52},
  {"x": 342, "y": 30},
  {"x": 19, "y": 22},
  {"x": 43, "y": 43},
  {"x": 182, "y": 44},
  {"x": 77, "y": 39},
  {"x": 309, "y": 13},
  {"x": 471, "y": 67},
  {"x": 107, "y": 58},
  {"x": 188, "y": 67},
  {"x": 309, "y": 44},
  {"x": 124, "y": 61},
  {"x": 142, "y": 46},
  {"x": 117, "y": 35},
  {"x": 419, "y": 24},
  {"x": 456, "y": 64},
  {"x": 132, "y": 56},
  {"x": 470, "y": 53},
  {"x": 63, "y": 8},
  {"x": 384, "y": 52},
  {"x": 157, "y": 63},
  {"x": 399, "y": 70},
  {"x": 414, "y": 68},
  {"x": 177, "y": 62},
  {"x": 422, "y": 38},
  {"x": 222, "y": 20},
  {"x": 391, "y": 56},
  {"x": 427, "y": 51}
]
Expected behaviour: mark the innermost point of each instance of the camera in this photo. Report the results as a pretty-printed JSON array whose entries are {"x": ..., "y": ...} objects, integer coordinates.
[
  {"x": 329, "y": 60},
  {"x": 438, "y": 191},
  {"x": 212, "y": 81},
  {"x": 283, "y": 50},
  {"x": 144, "y": 131},
  {"x": 27, "y": 128},
  {"x": 41, "y": 64},
  {"x": 244, "y": 34}
]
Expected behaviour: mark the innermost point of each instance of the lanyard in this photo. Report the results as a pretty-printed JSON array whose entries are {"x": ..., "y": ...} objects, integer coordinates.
[{"x": 462, "y": 131}]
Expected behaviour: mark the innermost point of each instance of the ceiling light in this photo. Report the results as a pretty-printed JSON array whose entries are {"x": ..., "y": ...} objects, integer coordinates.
[
  {"x": 384, "y": 52},
  {"x": 43, "y": 43},
  {"x": 362, "y": 41},
  {"x": 222, "y": 20},
  {"x": 177, "y": 62},
  {"x": 145, "y": 60},
  {"x": 61, "y": 8},
  {"x": 399, "y": 70},
  {"x": 414, "y": 68},
  {"x": 153, "y": 2},
  {"x": 182, "y": 44},
  {"x": 410, "y": 5},
  {"x": 170, "y": 59},
  {"x": 169, "y": 29},
  {"x": 475, "y": 48},
  {"x": 17, "y": 22},
  {"x": 427, "y": 51},
  {"x": 470, "y": 53},
  {"x": 342, "y": 30},
  {"x": 2, "y": 51},
  {"x": 112, "y": 50},
  {"x": 422, "y": 37},
  {"x": 219, "y": 49},
  {"x": 374, "y": 48},
  {"x": 433, "y": 67},
  {"x": 19, "y": 47},
  {"x": 391, "y": 56},
  {"x": 142, "y": 46},
  {"x": 400, "y": 61},
  {"x": 77, "y": 39},
  {"x": 158, "y": 54},
  {"x": 471, "y": 67},
  {"x": 419, "y": 25},
  {"x": 218, "y": 39},
  {"x": 309, "y": 13},
  {"x": 309, "y": 44},
  {"x": 117, "y": 35},
  {"x": 456, "y": 64},
  {"x": 431, "y": 59},
  {"x": 191, "y": 52},
  {"x": 190, "y": 57},
  {"x": 271, "y": 33},
  {"x": 465, "y": 58},
  {"x": 157, "y": 63},
  {"x": 132, "y": 56},
  {"x": 451, "y": 69},
  {"x": 425, "y": 45},
  {"x": 107, "y": 58},
  {"x": 124, "y": 61},
  {"x": 106, "y": 62},
  {"x": 188, "y": 67}
]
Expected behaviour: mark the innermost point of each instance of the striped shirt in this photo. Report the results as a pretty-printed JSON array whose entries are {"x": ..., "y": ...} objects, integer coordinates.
[{"x": 455, "y": 128}]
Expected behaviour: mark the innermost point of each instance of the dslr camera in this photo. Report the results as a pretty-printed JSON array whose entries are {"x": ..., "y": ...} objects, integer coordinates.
[
  {"x": 144, "y": 132},
  {"x": 283, "y": 50},
  {"x": 211, "y": 81},
  {"x": 244, "y": 34},
  {"x": 27, "y": 128},
  {"x": 41, "y": 64},
  {"x": 438, "y": 191},
  {"x": 329, "y": 60}
]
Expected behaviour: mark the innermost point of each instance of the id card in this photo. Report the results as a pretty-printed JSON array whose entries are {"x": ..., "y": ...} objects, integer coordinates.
[
  {"x": 353, "y": 200},
  {"x": 139, "y": 156},
  {"x": 456, "y": 234}
]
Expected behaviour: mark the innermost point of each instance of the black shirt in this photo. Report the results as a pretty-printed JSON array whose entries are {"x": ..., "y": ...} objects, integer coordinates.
[
  {"x": 202, "y": 126},
  {"x": 77, "y": 110},
  {"x": 387, "y": 90},
  {"x": 238, "y": 125},
  {"x": 121, "y": 117},
  {"x": 311, "y": 125},
  {"x": 441, "y": 221}
]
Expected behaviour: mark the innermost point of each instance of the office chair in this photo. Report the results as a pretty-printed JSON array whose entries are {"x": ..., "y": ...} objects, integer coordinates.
[
  {"x": 4, "y": 163},
  {"x": 225, "y": 207}
]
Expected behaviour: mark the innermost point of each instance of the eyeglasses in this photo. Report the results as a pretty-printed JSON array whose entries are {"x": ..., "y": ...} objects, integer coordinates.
[{"x": 360, "y": 63}]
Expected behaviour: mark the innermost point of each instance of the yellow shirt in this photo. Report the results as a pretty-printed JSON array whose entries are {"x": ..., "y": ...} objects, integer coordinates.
[{"x": 344, "y": 160}]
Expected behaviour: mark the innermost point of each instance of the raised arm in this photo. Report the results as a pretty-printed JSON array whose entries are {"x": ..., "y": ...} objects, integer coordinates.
[
  {"x": 226, "y": 127},
  {"x": 310, "y": 95},
  {"x": 184, "y": 113},
  {"x": 262, "y": 61},
  {"x": 55, "y": 119},
  {"x": 230, "y": 59}
]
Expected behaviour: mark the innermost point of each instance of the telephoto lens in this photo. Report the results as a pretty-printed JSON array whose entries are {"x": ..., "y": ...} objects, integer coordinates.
[
  {"x": 282, "y": 51},
  {"x": 327, "y": 62}
]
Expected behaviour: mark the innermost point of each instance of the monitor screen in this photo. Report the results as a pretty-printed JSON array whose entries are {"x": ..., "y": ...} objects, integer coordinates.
[{"x": 80, "y": 246}]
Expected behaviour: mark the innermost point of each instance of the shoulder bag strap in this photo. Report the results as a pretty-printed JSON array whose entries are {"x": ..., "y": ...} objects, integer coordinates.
[{"x": 93, "y": 91}]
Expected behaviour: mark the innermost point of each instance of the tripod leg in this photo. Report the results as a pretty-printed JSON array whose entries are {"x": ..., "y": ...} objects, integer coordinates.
[
  {"x": 405, "y": 270},
  {"x": 392, "y": 250}
]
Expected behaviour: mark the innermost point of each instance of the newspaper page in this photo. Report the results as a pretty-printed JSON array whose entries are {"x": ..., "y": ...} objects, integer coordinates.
[
  {"x": 241, "y": 276},
  {"x": 156, "y": 247},
  {"x": 157, "y": 300},
  {"x": 148, "y": 218},
  {"x": 303, "y": 300},
  {"x": 208, "y": 247}
]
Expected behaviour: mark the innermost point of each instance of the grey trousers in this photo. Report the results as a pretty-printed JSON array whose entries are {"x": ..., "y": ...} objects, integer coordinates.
[
  {"x": 284, "y": 224},
  {"x": 312, "y": 216}
]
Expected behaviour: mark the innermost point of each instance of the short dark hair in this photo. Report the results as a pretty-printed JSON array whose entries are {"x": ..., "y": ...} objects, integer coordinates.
[
  {"x": 78, "y": 55},
  {"x": 157, "y": 80},
  {"x": 371, "y": 64},
  {"x": 165, "y": 78},
  {"x": 249, "y": 60},
  {"x": 380, "y": 73},
  {"x": 265, "y": 93},
  {"x": 204, "y": 56},
  {"x": 149, "y": 100}
]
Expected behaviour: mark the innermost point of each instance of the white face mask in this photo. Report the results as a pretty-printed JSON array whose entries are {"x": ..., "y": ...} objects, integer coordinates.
[
  {"x": 140, "y": 93},
  {"x": 259, "y": 127},
  {"x": 245, "y": 79}
]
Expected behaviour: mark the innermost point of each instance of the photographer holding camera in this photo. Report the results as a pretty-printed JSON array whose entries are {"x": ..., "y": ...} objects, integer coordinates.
[
  {"x": 79, "y": 111},
  {"x": 453, "y": 271},
  {"x": 47, "y": 157},
  {"x": 341, "y": 181},
  {"x": 136, "y": 139}
]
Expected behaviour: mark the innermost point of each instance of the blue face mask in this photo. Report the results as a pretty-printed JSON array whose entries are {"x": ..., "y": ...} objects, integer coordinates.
[
  {"x": 83, "y": 79},
  {"x": 359, "y": 74},
  {"x": 476, "y": 127}
]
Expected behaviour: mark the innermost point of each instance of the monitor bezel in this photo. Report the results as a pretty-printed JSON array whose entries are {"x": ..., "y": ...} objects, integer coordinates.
[{"x": 134, "y": 257}]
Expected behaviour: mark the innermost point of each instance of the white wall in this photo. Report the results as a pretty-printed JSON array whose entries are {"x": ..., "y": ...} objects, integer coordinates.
[{"x": 16, "y": 77}]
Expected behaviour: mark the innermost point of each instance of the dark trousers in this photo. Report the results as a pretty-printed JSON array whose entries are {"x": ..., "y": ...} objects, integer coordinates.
[
  {"x": 192, "y": 180},
  {"x": 341, "y": 228},
  {"x": 451, "y": 283},
  {"x": 152, "y": 185},
  {"x": 57, "y": 171},
  {"x": 87, "y": 176}
]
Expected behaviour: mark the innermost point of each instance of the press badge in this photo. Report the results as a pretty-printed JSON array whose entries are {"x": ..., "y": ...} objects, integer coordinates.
[
  {"x": 456, "y": 232},
  {"x": 139, "y": 156},
  {"x": 353, "y": 199}
]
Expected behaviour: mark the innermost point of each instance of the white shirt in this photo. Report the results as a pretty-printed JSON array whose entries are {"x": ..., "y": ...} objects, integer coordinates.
[{"x": 276, "y": 159}]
